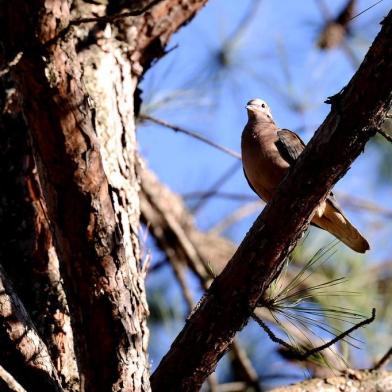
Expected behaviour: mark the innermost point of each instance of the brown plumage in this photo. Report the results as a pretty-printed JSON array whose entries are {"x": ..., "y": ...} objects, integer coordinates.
[{"x": 268, "y": 152}]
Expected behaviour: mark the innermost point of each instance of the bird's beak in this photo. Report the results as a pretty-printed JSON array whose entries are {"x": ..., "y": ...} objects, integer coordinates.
[{"x": 250, "y": 107}]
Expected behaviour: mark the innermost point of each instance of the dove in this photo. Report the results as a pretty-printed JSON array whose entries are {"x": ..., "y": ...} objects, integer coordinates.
[{"x": 267, "y": 154}]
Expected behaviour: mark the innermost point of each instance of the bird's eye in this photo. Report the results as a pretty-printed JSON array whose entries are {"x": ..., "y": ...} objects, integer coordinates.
[{"x": 263, "y": 105}]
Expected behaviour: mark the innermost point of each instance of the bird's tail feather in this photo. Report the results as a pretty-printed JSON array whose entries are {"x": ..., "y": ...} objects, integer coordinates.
[{"x": 337, "y": 224}]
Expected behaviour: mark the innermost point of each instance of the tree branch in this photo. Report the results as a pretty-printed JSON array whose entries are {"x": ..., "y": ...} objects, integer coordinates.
[
  {"x": 23, "y": 352},
  {"x": 226, "y": 307},
  {"x": 383, "y": 360},
  {"x": 29, "y": 256},
  {"x": 8, "y": 382},
  {"x": 303, "y": 355},
  {"x": 349, "y": 381},
  {"x": 195, "y": 135},
  {"x": 175, "y": 232}
]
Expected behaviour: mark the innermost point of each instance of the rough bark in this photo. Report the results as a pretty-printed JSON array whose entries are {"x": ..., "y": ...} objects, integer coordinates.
[
  {"x": 349, "y": 381},
  {"x": 76, "y": 192},
  {"x": 23, "y": 353},
  {"x": 357, "y": 112},
  {"x": 27, "y": 250},
  {"x": 8, "y": 382},
  {"x": 112, "y": 66},
  {"x": 92, "y": 205}
]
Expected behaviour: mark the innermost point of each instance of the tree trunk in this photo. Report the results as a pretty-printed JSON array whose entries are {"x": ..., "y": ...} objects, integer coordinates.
[{"x": 83, "y": 207}]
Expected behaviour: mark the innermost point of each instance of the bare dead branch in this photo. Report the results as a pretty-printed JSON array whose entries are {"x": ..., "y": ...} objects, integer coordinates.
[
  {"x": 331, "y": 356},
  {"x": 11, "y": 64},
  {"x": 246, "y": 21},
  {"x": 383, "y": 360},
  {"x": 307, "y": 353},
  {"x": 179, "y": 272},
  {"x": 23, "y": 352},
  {"x": 346, "y": 200},
  {"x": 236, "y": 291},
  {"x": 359, "y": 203},
  {"x": 248, "y": 371},
  {"x": 193, "y": 134},
  {"x": 385, "y": 135},
  {"x": 206, "y": 253},
  {"x": 366, "y": 9},
  {"x": 350, "y": 381},
  {"x": 238, "y": 214},
  {"x": 173, "y": 228},
  {"x": 218, "y": 183},
  {"x": 11, "y": 384},
  {"x": 219, "y": 194}
]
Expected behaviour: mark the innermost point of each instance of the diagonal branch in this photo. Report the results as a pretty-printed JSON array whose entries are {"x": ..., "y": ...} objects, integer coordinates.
[
  {"x": 175, "y": 232},
  {"x": 227, "y": 306},
  {"x": 206, "y": 253},
  {"x": 23, "y": 352},
  {"x": 193, "y": 134},
  {"x": 384, "y": 360}
]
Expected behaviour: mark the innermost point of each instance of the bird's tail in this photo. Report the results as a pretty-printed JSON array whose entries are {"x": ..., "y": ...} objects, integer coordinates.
[{"x": 337, "y": 224}]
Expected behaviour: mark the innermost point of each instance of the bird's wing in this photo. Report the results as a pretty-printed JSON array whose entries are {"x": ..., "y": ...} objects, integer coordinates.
[{"x": 290, "y": 146}]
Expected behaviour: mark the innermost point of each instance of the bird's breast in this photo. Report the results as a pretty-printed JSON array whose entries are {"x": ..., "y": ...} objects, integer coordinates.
[{"x": 263, "y": 164}]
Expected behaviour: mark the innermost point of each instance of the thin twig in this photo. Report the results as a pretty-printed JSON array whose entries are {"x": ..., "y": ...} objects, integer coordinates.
[
  {"x": 246, "y": 21},
  {"x": 325, "y": 12},
  {"x": 237, "y": 215},
  {"x": 388, "y": 137},
  {"x": 179, "y": 271},
  {"x": 158, "y": 265},
  {"x": 235, "y": 386},
  {"x": 366, "y": 9},
  {"x": 247, "y": 368},
  {"x": 165, "y": 211},
  {"x": 216, "y": 186},
  {"x": 384, "y": 360},
  {"x": 355, "y": 203},
  {"x": 193, "y": 134},
  {"x": 346, "y": 200},
  {"x": 11, "y": 64},
  {"x": 306, "y": 354},
  {"x": 221, "y": 195}
]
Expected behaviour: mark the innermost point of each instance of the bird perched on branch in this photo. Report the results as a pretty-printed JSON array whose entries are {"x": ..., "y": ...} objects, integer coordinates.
[{"x": 268, "y": 152}]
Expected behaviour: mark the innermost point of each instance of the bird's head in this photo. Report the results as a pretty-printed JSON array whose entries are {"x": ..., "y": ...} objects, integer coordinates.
[{"x": 258, "y": 108}]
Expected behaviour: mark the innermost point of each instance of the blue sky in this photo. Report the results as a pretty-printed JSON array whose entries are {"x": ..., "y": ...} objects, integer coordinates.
[{"x": 276, "y": 59}]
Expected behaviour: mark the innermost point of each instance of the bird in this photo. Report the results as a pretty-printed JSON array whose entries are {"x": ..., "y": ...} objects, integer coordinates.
[{"x": 267, "y": 154}]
